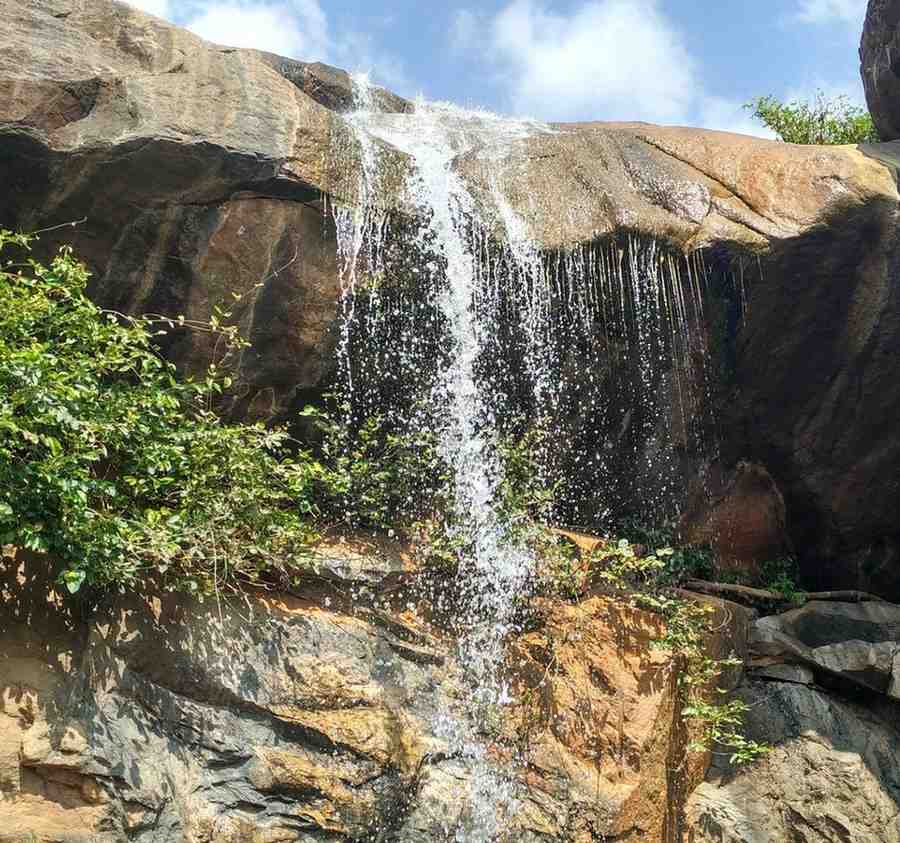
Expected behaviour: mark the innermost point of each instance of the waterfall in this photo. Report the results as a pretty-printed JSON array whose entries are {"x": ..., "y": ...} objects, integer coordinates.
[{"x": 479, "y": 269}]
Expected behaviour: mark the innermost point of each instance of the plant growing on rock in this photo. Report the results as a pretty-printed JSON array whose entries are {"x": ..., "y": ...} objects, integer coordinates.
[
  {"x": 822, "y": 120},
  {"x": 643, "y": 577},
  {"x": 115, "y": 467}
]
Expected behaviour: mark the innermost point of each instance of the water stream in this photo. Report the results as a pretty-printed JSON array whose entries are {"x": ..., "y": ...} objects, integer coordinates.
[{"x": 488, "y": 271}]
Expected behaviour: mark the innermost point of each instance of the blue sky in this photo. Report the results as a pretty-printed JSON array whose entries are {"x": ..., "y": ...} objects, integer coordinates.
[{"x": 667, "y": 61}]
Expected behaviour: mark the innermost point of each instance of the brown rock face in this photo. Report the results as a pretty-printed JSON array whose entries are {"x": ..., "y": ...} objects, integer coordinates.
[
  {"x": 200, "y": 172},
  {"x": 744, "y": 520},
  {"x": 305, "y": 718},
  {"x": 197, "y": 171},
  {"x": 879, "y": 54}
]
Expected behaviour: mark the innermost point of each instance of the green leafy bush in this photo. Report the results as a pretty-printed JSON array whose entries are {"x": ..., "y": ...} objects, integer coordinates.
[
  {"x": 644, "y": 573},
  {"x": 821, "y": 121},
  {"x": 781, "y": 576},
  {"x": 116, "y": 468},
  {"x": 374, "y": 476},
  {"x": 685, "y": 562}
]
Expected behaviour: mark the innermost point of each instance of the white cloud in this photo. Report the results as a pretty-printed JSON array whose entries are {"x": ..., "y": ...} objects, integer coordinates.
[
  {"x": 729, "y": 116},
  {"x": 613, "y": 59},
  {"x": 360, "y": 53},
  {"x": 295, "y": 28},
  {"x": 160, "y": 8},
  {"x": 608, "y": 60},
  {"x": 832, "y": 11},
  {"x": 298, "y": 29}
]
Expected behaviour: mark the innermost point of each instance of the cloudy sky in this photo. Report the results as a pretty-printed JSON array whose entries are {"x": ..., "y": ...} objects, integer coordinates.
[{"x": 691, "y": 62}]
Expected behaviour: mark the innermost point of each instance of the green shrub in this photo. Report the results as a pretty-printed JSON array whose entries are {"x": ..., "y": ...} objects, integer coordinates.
[
  {"x": 781, "y": 576},
  {"x": 374, "y": 476},
  {"x": 821, "y": 121},
  {"x": 116, "y": 468},
  {"x": 685, "y": 562}
]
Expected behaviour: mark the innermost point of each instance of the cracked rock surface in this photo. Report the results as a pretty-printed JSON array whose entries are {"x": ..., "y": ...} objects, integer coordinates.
[
  {"x": 833, "y": 775},
  {"x": 313, "y": 717}
]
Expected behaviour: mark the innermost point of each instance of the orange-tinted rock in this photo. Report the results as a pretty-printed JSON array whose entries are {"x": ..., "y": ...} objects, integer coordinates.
[
  {"x": 743, "y": 518},
  {"x": 271, "y": 718}
]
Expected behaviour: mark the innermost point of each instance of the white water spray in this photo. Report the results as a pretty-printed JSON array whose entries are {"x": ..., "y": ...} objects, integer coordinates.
[{"x": 592, "y": 285}]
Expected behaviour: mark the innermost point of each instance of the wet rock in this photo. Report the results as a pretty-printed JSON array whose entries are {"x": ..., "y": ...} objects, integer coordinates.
[
  {"x": 833, "y": 775},
  {"x": 307, "y": 718},
  {"x": 331, "y": 86},
  {"x": 362, "y": 562},
  {"x": 743, "y": 518}
]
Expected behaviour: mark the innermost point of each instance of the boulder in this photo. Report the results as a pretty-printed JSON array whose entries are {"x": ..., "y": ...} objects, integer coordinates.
[
  {"x": 743, "y": 518},
  {"x": 879, "y": 54},
  {"x": 858, "y": 643},
  {"x": 197, "y": 170},
  {"x": 833, "y": 773}
]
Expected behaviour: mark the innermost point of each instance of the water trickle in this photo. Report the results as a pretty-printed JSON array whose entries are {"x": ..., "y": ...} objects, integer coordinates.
[{"x": 478, "y": 318}]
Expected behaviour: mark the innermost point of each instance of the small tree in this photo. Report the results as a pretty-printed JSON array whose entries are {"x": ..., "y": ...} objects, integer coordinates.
[{"x": 822, "y": 121}]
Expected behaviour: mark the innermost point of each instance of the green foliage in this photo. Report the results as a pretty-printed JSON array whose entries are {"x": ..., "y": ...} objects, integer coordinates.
[
  {"x": 781, "y": 576},
  {"x": 685, "y": 562},
  {"x": 116, "y": 468},
  {"x": 822, "y": 121},
  {"x": 374, "y": 477},
  {"x": 636, "y": 569},
  {"x": 687, "y": 635},
  {"x": 721, "y": 724},
  {"x": 526, "y": 496}
]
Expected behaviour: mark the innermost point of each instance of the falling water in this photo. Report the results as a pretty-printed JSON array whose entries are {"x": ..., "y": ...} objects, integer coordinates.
[{"x": 633, "y": 290}]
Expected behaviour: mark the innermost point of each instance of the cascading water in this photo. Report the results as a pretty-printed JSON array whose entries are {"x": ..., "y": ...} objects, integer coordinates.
[{"x": 455, "y": 345}]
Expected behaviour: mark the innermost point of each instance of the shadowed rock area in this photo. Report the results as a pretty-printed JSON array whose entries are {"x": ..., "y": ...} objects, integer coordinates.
[
  {"x": 879, "y": 54},
  {"x": 311, "y": 717}
]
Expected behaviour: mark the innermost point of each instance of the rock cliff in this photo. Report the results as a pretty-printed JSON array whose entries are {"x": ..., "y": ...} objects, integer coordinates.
[
  {"x": 197, "y": 170},
  {"x": 201, "y": 170},
  {"x": 314, "y": 716}
]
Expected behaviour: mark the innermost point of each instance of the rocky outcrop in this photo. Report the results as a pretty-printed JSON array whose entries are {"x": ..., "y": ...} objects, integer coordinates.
[
  {"x": 815, "y": 393},
  {"x": 833, "y": 774},
  {"x": 314, "y": 716},
  {"x": 199, "y": 171},
  {"x": 322, "y": 714},
  {"x": 879, "y": 54},
  {"x": 822, "y": 690},
  {"x": 857, "y": 643}
]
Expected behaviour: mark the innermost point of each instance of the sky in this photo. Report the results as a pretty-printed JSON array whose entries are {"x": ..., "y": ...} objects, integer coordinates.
[{"x": 685, "y": 62}]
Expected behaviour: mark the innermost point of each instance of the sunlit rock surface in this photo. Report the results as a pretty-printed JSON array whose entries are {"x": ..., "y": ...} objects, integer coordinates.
[
  {"x": 822, "y": 690},
  {"x": 833, "y": 775},
  {"x": 313, "y": 717}
]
